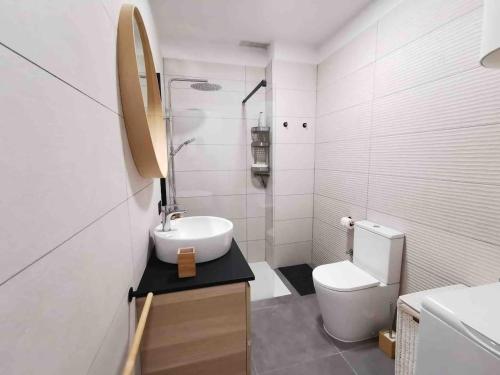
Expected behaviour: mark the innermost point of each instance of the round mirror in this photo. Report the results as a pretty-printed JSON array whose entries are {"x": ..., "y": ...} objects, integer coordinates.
[{"x": 140, "y": 95}]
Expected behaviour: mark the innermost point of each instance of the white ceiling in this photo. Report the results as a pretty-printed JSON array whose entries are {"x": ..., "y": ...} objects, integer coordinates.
[{"x": 309, "y": 22}]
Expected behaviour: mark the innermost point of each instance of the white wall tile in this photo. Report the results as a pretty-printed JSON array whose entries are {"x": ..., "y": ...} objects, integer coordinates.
[
  {"x": 412, "y": 19},
  {"x": 330, "y": 211},
  {"x": 204, "y": 69},
  {"x": 353, "y": 89},
  {"x": 61, "y": 157},
  {"x": 256, "y": 251},
  {"x": 143, "y": 218},
  {"x": 448, "y": 50},
  {"x": 293, "y": 182},
  {"x": 114, "y": 349},
  {"x": 295, "y": 230},
  {"x": 294, "y": 103},
  {"x": 353, "y": 56},
  {"x": 256, "y": 228},
  {"x": 210, "y": 131},
  {"x": 453, "y": 257},
  {"x": 254, "y": 73},
  {"x": 80, "y": 46},
  {"x": 227, "y": 206},
  {"x": 293, "y": 156},
  {"x": 350, "y": 123},
  {"x": 239, "y": 230},
  {"x": 346, "y": 155},
  {"x": 294, "y": 132},
  {"x": 432, "y": 135},
  {"x": 211, "y": 158},
  {"x": 463, "y": 100},
  {"x": 457, "y": 207},
  {"x": 207, "y": 183},
  {"x": 256, "y": 205},
  {"x": 344, "y": 186},
  {"x": 330, "y": 243},
  {"x": 465, "y": 154},
  {"x": 292, "y": 254},
  {"x": 294, "y": 76},
  {"x": 86, "y": 304},
  {"x": 293, "y": 206}
]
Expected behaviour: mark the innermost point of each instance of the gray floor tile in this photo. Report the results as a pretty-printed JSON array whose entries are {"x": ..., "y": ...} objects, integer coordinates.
[
  {"x": 287, "y": 334},
  {"x": 331, "y": 365},
  {"x": 368, "y": 359}
]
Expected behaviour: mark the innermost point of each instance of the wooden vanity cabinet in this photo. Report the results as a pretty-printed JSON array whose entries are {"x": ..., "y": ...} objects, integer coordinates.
[{"x": 197, "y": 332}]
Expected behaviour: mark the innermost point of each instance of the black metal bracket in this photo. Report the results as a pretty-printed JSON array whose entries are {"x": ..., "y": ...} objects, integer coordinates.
[
  {"x": 262, "y": 83},
  {"x": 131, "y": 294}
]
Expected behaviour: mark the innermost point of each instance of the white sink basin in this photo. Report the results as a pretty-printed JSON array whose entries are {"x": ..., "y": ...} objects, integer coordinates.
[{"x": 211, "y": 237}]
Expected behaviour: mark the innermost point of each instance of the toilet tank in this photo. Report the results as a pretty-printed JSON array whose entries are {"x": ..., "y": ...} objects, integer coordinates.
[{"x": 378, "y": 250}]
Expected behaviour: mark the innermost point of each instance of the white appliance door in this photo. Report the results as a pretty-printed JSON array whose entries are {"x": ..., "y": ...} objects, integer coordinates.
[{"x": 442, "y": 350}]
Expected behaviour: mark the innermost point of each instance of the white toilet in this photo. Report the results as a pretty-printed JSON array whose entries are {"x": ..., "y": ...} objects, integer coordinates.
[{"x": 358, "y": 299}]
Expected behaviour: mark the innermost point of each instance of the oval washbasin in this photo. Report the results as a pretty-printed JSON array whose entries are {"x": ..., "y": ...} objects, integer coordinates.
[{"x": 211, "y": 237}]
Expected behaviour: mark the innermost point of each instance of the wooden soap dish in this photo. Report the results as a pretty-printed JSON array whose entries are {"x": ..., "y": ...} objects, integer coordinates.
[{"x": 186, "y": 262}]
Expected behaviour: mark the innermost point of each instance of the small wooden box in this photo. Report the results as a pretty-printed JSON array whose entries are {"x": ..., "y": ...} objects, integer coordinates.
[
  {"x": 186, "y": 262},
  {"x": 386, "y": 343}
]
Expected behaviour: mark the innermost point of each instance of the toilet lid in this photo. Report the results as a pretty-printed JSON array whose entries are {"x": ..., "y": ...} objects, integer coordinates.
[{"x": 343, "y": 276}]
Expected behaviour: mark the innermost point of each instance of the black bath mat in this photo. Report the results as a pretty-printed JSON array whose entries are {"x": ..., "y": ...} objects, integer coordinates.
[{"x": 300, "y": 277}]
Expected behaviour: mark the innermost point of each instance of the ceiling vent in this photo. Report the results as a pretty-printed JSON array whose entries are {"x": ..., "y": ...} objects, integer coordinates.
[{"x": 247, "y": 43}]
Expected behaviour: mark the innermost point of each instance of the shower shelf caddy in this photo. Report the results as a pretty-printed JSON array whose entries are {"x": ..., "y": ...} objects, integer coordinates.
[{"x": 260, "y": 152}]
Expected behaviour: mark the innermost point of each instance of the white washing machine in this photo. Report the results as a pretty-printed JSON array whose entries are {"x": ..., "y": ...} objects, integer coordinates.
[{"x": 459, "y": 332}]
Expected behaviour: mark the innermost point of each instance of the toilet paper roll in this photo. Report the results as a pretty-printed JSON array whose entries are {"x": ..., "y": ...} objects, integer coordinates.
[{"x": 347, "y": 222}]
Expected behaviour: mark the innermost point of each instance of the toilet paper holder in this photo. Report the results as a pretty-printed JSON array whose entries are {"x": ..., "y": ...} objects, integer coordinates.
[{"x": 347, "y": 222}]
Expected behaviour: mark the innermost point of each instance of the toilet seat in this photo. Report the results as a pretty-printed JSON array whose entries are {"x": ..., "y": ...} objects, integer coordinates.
[{"x": 343, "y": 277}]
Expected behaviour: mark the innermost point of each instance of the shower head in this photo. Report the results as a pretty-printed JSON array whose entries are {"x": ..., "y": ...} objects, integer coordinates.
[{"x": 206, "y": 86}]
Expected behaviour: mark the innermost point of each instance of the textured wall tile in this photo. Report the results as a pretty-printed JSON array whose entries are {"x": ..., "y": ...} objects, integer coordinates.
[
  {"x": 414, "y": 18},
  {"x": 466, "y": 154},
  {"x": 463, "y": 100},
  {"x": 467, "y": 209},
  {"x": 353, "y": 56},
  {"x": 330, "y": 211},
  {"x": 330, "y": 243},
  {"x": 344, "y": 186},
  {"x": 448, "y": 50},
  {"x": 347, "y": 155},
  {"x": 451, "y": 256},
  {"x": 353, "y": 89},
  {"x": 349, "y": 123}
]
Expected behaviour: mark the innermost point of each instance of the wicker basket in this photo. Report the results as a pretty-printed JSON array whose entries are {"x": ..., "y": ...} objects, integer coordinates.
[{"x": 407, "y": 334}]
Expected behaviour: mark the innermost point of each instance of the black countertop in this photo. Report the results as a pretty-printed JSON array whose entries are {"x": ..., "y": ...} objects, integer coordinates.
[{"x": 160, "y": 277}]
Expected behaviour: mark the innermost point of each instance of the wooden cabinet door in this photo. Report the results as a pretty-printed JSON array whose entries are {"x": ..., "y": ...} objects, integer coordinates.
[{"x": 197, "y": 332}]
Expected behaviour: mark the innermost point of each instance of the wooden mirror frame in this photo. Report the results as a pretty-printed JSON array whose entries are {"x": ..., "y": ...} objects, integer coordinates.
[{"x": 146, "y": 130}]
